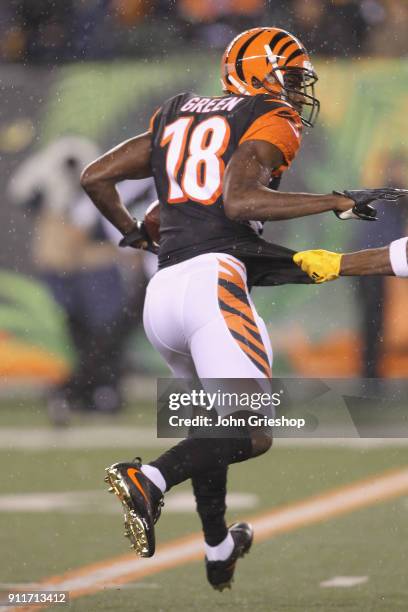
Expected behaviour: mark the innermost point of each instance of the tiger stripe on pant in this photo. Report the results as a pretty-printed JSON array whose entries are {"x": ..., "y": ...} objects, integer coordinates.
[{"x": 238, "y": 316}]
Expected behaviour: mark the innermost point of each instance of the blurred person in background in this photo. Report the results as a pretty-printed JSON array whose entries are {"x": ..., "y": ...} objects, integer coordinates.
[
  {"x": 390, "y": 26},
  {"x": 104, "y": 28},
  {"x": 42, "y": 30},
  {"x": 393, "y": 223},
  {"x": 74, "y": 255},
  {"x": 325, "y": 27},
  {"x": 214, "y": 22},
  {"x": 131, "y": 12},
  {"x": 12, "y": 41}
]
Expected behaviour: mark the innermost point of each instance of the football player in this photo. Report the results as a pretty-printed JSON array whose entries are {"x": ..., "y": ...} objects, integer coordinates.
[{"x": 217, "y": 163}]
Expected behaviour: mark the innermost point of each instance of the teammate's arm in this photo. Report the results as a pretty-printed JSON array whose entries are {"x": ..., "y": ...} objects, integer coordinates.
[
  {"x": 246, "y": 194},
  {"x": 128, "y": 160}
]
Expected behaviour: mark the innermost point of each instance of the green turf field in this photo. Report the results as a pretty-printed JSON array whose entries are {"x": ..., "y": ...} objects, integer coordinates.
[{"x": 50, "y": 524}]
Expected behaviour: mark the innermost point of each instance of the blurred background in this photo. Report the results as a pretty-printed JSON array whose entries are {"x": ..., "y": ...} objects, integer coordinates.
[{"x": 78, "y": 76}]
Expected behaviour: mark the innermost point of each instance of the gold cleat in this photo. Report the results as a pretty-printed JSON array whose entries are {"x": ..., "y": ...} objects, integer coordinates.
[
  {"x": 139, "y": 504},
  {"x": 137, "y": 533}
]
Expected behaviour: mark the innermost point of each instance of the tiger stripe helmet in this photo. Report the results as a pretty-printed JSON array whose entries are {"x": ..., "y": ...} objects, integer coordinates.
[{"x": 270, "y": 60}]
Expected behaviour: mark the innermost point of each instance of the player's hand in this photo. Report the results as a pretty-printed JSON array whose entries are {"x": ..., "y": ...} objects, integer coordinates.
[
  {"x": 362, "y": 199},
  {"x": 138, "y": 238}
]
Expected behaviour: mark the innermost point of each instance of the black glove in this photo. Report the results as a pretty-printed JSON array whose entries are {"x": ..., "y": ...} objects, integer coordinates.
[
  {"x": 138, "y": 238},
  {"x": 362, "y": 199}
]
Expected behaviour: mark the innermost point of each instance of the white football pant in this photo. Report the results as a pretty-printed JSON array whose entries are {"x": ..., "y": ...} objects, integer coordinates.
[{"x": 199, "y": 315}]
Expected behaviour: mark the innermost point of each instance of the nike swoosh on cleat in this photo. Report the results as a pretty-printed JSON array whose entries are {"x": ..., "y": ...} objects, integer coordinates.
[{"x": 131, "y": 472}]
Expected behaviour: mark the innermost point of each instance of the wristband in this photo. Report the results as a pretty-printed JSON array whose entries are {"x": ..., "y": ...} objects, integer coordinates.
[{"x": 398, "y": 257}]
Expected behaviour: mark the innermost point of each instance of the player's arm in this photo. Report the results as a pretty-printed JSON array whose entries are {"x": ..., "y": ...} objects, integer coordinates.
[
  {"x": 128, "y": 160},
  {"x": 247, "y": 196},
  {"x": 367, "y": 262},
  {"x": 323, "y": 265}
]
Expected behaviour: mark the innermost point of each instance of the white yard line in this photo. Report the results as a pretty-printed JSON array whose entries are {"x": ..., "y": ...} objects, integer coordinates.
[
  {"x": 74, "y": 438},
  {"x": 99, "y": 502},
  {"x": 344, "y": 581},
  {"x": 133, "y": 436}
]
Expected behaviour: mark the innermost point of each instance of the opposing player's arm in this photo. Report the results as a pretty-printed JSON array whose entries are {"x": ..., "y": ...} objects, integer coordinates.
[
  {"x": 369, "y": 262},
  {"x": 128, "y": 160},
  {"x": 324, "y": 266},
  {"x": 247, "y": 196}
]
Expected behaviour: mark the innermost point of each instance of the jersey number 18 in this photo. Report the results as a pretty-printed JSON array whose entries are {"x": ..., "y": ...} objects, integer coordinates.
[{"x": 201, "y": 171}]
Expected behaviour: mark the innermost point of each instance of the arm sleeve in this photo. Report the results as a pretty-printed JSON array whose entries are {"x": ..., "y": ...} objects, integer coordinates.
[{"x": 281, "y": 130}]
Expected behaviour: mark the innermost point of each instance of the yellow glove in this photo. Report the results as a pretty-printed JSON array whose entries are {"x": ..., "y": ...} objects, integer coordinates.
[{"x": 320, "y": 265}]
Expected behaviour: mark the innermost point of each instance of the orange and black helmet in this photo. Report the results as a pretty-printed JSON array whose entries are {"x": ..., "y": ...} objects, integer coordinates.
[{"x": 271, "y": 60}]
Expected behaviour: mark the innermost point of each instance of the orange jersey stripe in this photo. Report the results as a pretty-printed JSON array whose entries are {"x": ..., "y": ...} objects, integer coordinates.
[{"x": 152, "y": 118}]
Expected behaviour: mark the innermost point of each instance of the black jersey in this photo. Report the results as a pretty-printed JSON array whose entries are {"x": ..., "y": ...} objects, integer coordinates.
[{"x": 193, "y": 139}]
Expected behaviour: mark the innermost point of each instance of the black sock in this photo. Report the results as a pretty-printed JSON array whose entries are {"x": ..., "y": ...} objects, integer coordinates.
[
  {"x": 210, "y": 489},
  {"x": 195, "y": 456}
]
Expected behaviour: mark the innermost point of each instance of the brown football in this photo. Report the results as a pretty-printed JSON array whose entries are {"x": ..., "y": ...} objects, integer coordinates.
[{"x": 152, "y": 221}]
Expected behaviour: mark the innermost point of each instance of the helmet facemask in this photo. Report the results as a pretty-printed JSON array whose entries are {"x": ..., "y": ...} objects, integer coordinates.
[{"x": 291, "y": 82}]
